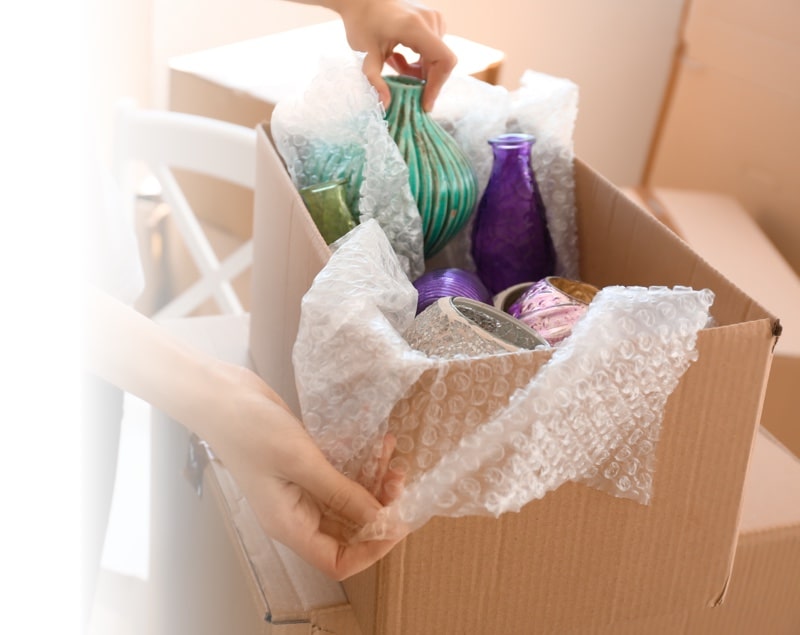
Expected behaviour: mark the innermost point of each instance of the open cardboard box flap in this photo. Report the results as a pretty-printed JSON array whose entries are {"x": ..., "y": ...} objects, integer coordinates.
[
  {"x": 614, "y": 559},
  {"x": 750, "y": 259}
]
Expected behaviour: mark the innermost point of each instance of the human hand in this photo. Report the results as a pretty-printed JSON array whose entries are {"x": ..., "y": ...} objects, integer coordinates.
[
  {"x": 378, "y": 26},
  {"x": 299, "y": 498}
]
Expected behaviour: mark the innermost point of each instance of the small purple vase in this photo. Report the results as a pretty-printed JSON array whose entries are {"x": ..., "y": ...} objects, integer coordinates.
[
  {"x": 449, "y": 282},
  {"x": 510, "y": 239}
]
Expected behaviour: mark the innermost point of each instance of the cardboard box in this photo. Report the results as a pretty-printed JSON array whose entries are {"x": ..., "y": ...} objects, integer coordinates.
[
  {"x": 730, "y": 121},
  {"x": 213, "y": 570},
  {"x": 720, "y": 229},
  {"x": 765, "y": 582},
  {"x": 241, "y": 83},
  {"x": 764, "y": 593},
  {"x": 577, "y": 558}
]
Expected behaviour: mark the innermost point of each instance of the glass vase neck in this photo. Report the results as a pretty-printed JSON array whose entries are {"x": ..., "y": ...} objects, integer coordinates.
[
  {"x": 405, "y": 90},
  {"x": 513, "y": 141},
  {"x": 405, "y": 82}
]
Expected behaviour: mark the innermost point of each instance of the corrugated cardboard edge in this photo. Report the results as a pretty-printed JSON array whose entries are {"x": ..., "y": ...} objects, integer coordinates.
[
  {"x": 638, "y": 229},
  {"x": 633, "y": 230},
  {"x": 726, "y": 586},
  {"x": 290, "y": 595},
  {"x": 764, "y": 588},
  {"x": 284, "y": 229},
  {"x": 674, "y": 209},
  {"x": 293, "y": 598},
  {"x": 763, "y": 595}
]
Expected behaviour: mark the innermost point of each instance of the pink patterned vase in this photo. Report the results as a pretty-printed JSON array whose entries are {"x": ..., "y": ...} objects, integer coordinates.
[{"x": 552, "y": 306}]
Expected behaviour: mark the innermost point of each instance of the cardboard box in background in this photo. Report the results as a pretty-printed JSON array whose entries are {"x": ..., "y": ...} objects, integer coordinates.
[
  {"x": 720, "y": 229},
  {"x": 731, "y": 122},
  {"x": 213, "y": 570},
  {"x": 764, "y": 591},
  {"x": 588, "y": 559}
]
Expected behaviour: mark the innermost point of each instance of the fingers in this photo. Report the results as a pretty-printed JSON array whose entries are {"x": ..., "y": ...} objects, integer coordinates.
[
  {"x": 387, "y": 448},
  {"x": 295, "y": 520},
  {"x": 436, "y": 63},
  {"x": 436, "y": 59},
  {"x": 336, "y": 492},
  {"x": 338, "y": 560},
  {"x": 391, "y": 487},
  {"x": 390, "y": 481},
  {"x": 373, "y": 69},
  {"x": 435, "y": 74},
  {"x": 356, "y": 557},
  {"x": 415, "y": 27},
  {"x": 400, "y": 64}
]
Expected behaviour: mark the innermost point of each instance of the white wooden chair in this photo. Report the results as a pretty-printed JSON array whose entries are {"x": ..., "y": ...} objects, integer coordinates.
[{"x": 164, "y": 140}]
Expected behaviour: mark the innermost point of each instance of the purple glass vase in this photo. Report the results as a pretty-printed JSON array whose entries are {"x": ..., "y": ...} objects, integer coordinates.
[
  {"x": 510, "y": 239},
  {"x": 449, "y": 282}
]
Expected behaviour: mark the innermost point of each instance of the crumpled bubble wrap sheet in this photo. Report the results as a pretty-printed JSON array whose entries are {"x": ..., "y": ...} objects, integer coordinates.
[
  {"x": 544, "y": 106},
  {"x": 335, "y": 129},
  {"x": 489, "y": 434}
]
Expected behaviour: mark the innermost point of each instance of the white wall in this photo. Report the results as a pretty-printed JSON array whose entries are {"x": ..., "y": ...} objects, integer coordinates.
[
  {"x": 120, "y": 58},
  {"x": 618, "y": 51}
]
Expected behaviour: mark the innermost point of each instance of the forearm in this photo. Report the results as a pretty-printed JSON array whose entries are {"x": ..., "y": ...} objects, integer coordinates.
[{"x": 132, "y": 352}]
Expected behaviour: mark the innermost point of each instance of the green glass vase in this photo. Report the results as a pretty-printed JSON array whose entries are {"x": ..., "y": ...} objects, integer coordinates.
[
  {"x": 440, "y": 175},
  {"x": 328, "y": 208}
]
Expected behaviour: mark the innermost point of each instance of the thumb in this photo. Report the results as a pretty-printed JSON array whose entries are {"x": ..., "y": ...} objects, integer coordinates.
[{"x": 342, "y": 495}]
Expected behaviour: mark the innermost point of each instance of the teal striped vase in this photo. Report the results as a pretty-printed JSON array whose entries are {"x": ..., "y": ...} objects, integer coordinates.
[{"x": 440, "y": 175}]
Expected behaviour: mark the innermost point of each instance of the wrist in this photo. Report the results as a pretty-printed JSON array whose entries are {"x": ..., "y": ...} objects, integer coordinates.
[
  {"x": 203, "y": 397},
  {"x": 348, "y": 8}
]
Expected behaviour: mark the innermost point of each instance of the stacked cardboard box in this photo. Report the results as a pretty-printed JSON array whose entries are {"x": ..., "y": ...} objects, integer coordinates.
[
  {"x": 722, "y": 170},
  {"x": 730, "y": 120}
]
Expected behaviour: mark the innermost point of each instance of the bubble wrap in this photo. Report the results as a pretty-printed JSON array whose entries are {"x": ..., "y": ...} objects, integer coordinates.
[
  {"x": 486, "y": 435},
  {"x": 351, "y": 363},
  {"x": 336, "y": 129},
  {"x": 544, "y": 106}
]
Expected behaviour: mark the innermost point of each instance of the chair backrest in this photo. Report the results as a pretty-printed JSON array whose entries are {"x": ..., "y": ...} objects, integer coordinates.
[{"x": 163, "y": 141}]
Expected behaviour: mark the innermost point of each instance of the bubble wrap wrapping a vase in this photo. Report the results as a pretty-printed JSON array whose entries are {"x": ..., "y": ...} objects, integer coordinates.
[
  {"x": 489, "y": 434},
  {"x": 334, "y": 130}
]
